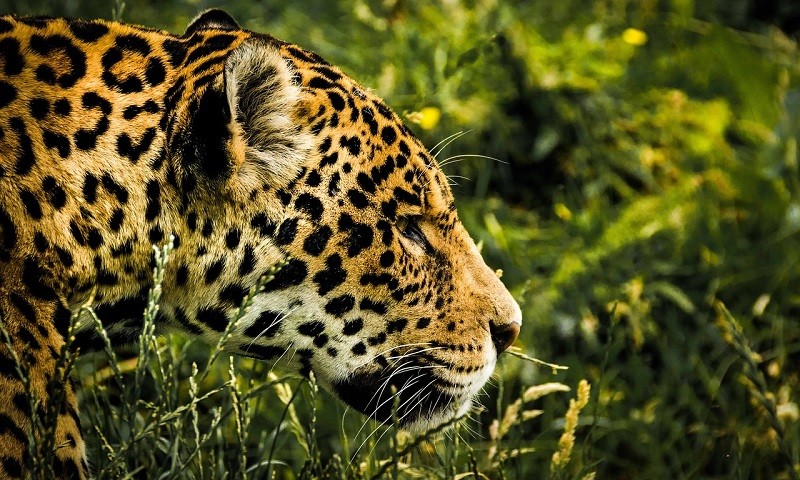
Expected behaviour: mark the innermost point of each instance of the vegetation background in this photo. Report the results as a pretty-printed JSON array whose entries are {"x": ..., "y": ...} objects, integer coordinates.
[{"x": 647, "y": 173}]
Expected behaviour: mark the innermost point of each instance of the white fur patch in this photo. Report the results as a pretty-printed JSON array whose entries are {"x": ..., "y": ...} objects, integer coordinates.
[{"x": 262, "y": 97}]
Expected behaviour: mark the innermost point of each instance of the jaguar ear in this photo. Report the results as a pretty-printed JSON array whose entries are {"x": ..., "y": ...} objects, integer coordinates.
[
  {"x": 213, "y": 18},
  {"x": 263, "y": 97}
]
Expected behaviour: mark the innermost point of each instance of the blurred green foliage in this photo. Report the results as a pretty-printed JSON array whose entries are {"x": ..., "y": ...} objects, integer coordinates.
[{"x": 646, "y": 167}]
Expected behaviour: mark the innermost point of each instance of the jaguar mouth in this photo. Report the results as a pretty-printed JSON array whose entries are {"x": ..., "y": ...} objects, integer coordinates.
[{"x": 411, "y": 396}]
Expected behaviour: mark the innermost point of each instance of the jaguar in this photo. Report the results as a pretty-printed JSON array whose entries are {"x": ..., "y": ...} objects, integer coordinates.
[{"x": 245, "y": 152}]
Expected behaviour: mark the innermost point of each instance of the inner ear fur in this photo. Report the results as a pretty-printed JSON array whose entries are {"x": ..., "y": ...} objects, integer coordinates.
[{"x": 262, "y": 99}]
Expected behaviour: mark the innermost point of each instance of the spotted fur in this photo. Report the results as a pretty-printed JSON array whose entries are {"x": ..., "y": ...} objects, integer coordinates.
[{"x": 248, "y": 151}]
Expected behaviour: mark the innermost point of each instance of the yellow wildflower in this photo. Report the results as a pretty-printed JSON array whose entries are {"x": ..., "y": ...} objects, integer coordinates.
[
  {"x": 563, "y": 212},
  {"x": 634, "y": 36},
  {"x": 427, "y": 118}
]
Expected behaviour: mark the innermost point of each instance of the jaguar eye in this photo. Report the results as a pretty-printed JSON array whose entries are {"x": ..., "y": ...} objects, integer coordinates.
[
  {"x": 402, "y": 223},
  {"x": 408, "y": 226}
]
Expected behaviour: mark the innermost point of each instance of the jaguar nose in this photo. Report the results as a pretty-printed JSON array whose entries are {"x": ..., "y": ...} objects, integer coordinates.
[{"x": 503, "y": 335}]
